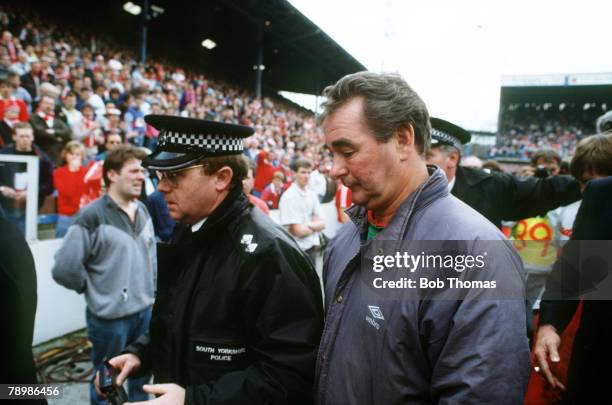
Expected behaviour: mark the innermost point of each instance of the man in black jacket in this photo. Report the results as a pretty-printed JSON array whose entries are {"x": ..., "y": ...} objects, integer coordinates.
[
  {"x": 18, "y": 303},
  {"x": 12, "y": 198},
  {"x": 497, "y": 196},
  {"x": 50, "y": 133},
  {"x": 581, "y": 272},
  {"x": 238, "y": 313}
]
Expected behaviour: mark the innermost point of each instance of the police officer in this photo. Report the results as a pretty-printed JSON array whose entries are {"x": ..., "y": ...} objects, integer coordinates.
[
  {"x": 497, "y": 196},
  {"x": 238, "y": 313}
]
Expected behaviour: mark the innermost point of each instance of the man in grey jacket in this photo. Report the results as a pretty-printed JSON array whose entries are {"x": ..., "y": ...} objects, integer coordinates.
[
  {"x": 109, "y": 254},
  {"x": 448, "y": 331}
]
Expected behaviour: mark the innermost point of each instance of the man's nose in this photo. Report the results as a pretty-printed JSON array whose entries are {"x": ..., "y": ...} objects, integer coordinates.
[{"x": 338, "y": 169}]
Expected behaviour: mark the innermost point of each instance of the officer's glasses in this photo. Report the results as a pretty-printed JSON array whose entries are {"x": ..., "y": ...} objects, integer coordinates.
[{"x": 172, "y": 177}]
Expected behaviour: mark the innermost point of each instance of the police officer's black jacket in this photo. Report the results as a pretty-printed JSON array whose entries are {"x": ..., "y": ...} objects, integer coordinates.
[
  {"x": 238, "y": 314},
  {"x": 502, "y": 196}
]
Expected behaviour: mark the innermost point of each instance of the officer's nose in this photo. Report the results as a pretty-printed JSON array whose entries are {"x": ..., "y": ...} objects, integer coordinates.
[{"x": 163, "y": 187}]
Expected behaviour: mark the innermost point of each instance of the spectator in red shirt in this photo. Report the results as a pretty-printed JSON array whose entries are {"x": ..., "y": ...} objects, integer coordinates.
[
  {"x": 6, "y": 98},
  {"x": 70, "y": 185},
  {"x": 11, "y": 117},
  {"x": 273, "y": 191},
  {"x": 264, "y": 172},
  {"x": 247, "y": 187}
]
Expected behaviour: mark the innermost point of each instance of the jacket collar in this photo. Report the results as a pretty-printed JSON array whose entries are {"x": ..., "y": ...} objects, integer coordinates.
[
  {"x": 12, "y": 149},
  {"x": 436, "y": 186},
  {"x": 233, "y": 204}
]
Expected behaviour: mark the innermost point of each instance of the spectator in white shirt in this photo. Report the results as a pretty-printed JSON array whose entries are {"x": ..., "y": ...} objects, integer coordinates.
[{"x": 300, "y": 211}]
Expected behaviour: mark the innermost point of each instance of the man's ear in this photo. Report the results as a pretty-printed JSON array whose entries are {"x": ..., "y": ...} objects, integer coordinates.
[
  {"x": 405, "y": 140},
  {"x": 112, "y": 175},
  {"x": 223, "y": 178}
]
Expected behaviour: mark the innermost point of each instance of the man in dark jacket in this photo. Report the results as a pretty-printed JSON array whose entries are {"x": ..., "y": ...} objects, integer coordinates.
[
  {"x": 580, "y": 273},
  {"x": 497, "y": 196},
  {"x": 238, "y": 313},
  {"x": 18, "y": 303},
  {"x": 31, "y": 81},
  {"x": 50, "y": 134},
  {"x": 11, "y": 196}
]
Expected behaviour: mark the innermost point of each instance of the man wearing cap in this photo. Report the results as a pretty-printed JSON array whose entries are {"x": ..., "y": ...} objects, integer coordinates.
[
  {"x": 112, "y": 122},
  {"x": 238, "y": 313},
  {"x": 497, "y": 196},
  {"x": 401, "y": 344}
]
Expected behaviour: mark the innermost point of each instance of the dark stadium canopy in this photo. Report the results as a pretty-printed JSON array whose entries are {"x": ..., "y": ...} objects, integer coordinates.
[
  {"x": 297, "y": 55},
  {"x": 573, "y": 105},
  {"x": 557, "y": 94}
]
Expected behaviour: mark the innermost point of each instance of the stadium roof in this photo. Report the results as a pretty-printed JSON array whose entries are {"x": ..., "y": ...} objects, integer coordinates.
[
  {"x": 575, "y": 79},
  {"x": 557, "y": 88},
  {"x": 557, "y": 94},
  {"x": 297, "y": 55}
]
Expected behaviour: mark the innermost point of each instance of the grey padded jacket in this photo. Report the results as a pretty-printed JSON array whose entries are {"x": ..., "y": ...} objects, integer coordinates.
[{"x": 386, "y": 347}]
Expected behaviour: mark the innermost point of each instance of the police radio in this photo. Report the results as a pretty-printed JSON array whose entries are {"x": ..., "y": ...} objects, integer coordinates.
[{"x": 115, "y": 394}]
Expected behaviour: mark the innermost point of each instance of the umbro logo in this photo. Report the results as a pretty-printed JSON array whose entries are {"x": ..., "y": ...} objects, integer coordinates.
[{"x": 376, "y": 314}]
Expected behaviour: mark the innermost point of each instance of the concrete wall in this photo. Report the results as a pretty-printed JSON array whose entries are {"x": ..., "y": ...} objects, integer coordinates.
[{"x": 61, "y": 311}]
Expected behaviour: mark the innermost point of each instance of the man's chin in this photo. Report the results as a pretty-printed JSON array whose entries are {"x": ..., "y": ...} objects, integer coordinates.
[{"x": 357, "y": 199}]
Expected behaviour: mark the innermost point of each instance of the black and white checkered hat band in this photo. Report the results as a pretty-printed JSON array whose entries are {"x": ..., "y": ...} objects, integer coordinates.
[
  {"x": 210, "y": 142},
  {"x": 443, "y": 137}
]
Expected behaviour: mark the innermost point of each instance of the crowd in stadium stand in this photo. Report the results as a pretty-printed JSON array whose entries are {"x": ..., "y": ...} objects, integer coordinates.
[
  {"x": 79, "y": 88},
  {"x": 527, "y": 129},
  {"x": 76, "y": 88}
]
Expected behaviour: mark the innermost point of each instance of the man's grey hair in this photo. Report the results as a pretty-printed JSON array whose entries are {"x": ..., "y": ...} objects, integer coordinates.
[{"x": 389, "y": 104}]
